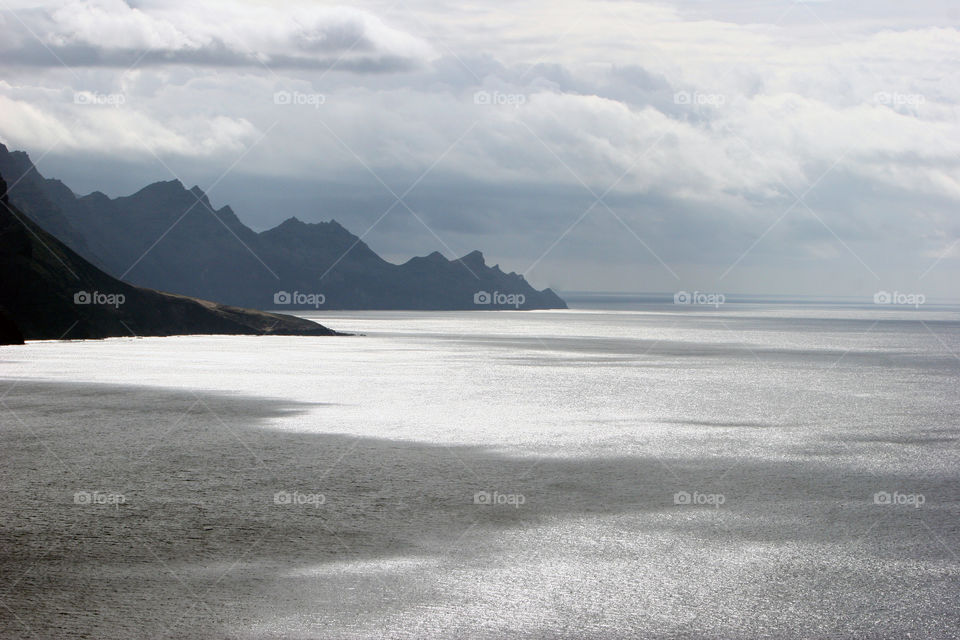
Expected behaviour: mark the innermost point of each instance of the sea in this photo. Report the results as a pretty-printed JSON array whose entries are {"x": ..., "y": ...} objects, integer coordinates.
[{"x": 621, "y": 470}]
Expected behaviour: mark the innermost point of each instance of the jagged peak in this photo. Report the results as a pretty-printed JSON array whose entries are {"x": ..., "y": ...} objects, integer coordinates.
[
  {"x": 163, "y": 186},
  {"x": 435, "y": 257},
  {"x": 294, "y": 221},
  {"x": 474, "y": 258},
  {"x": 295, "y": 226},
  {"x": 291, "y": 226},
  {"x": 200, "y": 194},
  {"x": 20, "y": 157},
  {"x": 227, "y": 212},
  {"x": 98, "y": 196}
]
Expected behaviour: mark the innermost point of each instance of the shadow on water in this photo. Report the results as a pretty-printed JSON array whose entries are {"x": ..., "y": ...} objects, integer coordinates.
[{"x": 200, "y": 538}]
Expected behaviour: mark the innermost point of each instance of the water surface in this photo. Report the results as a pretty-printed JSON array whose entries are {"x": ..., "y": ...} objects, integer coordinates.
[{"x": 787, "y": 429}]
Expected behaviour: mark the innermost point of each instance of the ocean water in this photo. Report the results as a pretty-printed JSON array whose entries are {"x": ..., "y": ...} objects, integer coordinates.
[{"x": 743, "y": 472}]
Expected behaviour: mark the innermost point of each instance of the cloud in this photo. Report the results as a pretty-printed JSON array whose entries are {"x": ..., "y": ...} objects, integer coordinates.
[
  {"x": 111, "y": 33},
  {"x": 100, "y": 123},
  {"x": 704, "y": 129}
]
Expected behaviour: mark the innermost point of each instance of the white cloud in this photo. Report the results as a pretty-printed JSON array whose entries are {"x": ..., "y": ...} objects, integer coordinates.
[
  {"x": 589, "y": 93},
  {"x": 99, "y": 123},
  {"x": 298, "y": 35}
]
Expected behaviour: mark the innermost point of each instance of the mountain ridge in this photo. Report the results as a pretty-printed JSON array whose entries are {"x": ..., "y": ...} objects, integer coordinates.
[
  {"x": 50, "y": 292},
  {"x": 168, "y": 237}
]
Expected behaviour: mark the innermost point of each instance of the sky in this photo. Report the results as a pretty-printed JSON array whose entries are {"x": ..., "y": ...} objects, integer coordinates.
[{"x": 764, "y": 146}]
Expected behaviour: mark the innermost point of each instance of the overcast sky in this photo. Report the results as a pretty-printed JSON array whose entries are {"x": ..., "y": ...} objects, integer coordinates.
[{"x": 765, "y": 146}]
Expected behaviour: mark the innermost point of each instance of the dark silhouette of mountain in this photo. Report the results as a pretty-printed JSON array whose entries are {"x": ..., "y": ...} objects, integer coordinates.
[
  {"x": 48, "y": 291},
  {"x": 43, "y": 200},
  {"x": 168, "y": 237}
]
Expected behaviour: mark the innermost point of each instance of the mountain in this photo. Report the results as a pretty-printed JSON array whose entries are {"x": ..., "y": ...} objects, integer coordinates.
[
  {"x": 48, "y": 291},
  {"x": 168, "y": 237},
  {"x": 42, "y": 200}
]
